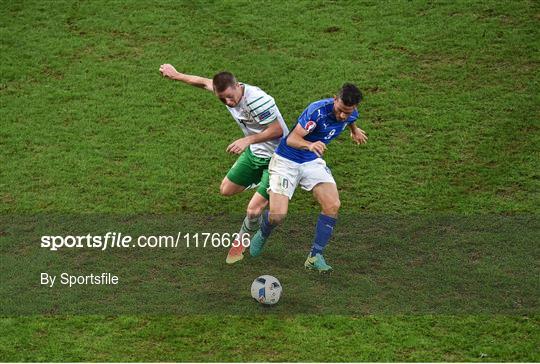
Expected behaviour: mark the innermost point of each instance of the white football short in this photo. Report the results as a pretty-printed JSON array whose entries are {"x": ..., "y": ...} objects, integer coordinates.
[{"x": 286, "y": 175}]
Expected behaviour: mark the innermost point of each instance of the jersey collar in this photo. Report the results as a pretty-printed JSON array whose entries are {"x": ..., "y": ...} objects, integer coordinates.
[{"x": 331, "y": 114}]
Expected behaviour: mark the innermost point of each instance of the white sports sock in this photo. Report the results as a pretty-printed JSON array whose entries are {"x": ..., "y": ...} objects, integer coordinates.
[{"x": 249, "y": 226}]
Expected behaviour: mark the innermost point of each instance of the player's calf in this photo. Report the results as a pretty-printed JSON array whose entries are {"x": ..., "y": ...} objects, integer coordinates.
[{"x": 323, "y": 232}]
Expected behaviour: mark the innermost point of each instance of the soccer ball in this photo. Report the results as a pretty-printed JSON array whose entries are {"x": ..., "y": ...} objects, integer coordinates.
[{"x": 266, "y": 290}]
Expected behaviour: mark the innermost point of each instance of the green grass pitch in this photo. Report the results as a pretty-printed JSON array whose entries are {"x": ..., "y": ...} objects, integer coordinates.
[{"x": 89, "y": 127}]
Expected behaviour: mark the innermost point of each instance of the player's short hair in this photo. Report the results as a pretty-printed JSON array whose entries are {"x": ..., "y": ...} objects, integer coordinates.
[
  {"x": 350, "y": 94},
  {"x": 223, "y": 80}
]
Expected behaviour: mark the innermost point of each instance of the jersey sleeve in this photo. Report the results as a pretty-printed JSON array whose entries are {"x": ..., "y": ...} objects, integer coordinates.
[
  {"x": 353, "y": 117},
  {"x": 309, "y": 118},
  {"x": 262, "y": 108}
]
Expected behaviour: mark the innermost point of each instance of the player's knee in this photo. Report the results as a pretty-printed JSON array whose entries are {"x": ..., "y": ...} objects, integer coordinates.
[
  {"x": 332, "y": 208},
  {"x": 276, "y": 218},
  {"x": 226, "y": 189},
  {"x": 256, "y": 206},
  {"x": 254, "y": 211}
]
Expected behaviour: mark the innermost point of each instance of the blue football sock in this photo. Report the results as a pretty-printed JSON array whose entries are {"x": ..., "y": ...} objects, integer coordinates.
[
  {"x": 323, "y": 232},
  {"x": 266, "y": 227}
]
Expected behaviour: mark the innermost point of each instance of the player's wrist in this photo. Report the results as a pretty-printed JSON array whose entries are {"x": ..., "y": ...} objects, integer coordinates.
[
  {"x": 250, "y": 139},
  {"x": 178, "y": 76}
]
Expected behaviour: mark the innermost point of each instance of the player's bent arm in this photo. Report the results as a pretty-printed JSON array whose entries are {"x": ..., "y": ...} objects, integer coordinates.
[
  {"x": 169, "y": 71},
  {"x": 273, "y": 131},
  {"x": 296, "y": 138}
]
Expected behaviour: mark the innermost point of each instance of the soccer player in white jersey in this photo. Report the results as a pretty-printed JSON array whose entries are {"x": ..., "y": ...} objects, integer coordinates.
[
  {"x": 257, "y": 114},
  {"x": 298, "y": 161}
]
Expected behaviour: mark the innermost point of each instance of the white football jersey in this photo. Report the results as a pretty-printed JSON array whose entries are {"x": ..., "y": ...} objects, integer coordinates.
[{"x": 254, "y": 111}]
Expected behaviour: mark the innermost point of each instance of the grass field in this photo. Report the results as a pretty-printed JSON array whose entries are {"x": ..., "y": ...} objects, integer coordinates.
[{"x": 436, "y": 256}]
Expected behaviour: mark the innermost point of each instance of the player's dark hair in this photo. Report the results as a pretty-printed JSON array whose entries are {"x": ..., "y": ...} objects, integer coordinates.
[
  {"x": 350, "y": 94},
  {"x": 223, "y": 80}
]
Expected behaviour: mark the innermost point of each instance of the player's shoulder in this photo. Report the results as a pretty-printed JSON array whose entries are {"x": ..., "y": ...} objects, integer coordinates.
[
  {"x": 255, "y": 95},
  {"x": 260, "y": 105},
  {"x": 321, "y": 104},
  {"x": 352, "y": 118},
  {"x": 320, "y": 109}
]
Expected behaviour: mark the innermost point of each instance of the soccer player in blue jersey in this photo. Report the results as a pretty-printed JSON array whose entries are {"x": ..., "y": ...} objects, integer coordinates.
[{"x": 298, "y": 161}]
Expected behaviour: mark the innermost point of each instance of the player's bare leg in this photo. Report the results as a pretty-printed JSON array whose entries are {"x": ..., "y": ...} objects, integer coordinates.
[
  {"x": 229, "y": 188},
  {"x": 328, "y": 197},
  {"x": 279, "y": 205},
  {"x": 249, "y": 226}
]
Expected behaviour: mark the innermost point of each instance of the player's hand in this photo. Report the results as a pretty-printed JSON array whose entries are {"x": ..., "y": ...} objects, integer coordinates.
[
  {"x": 317, "y": 147},
  {"x": 238, "y": 146},
  {"x": 168, "y": 70},
  {"x": 359, "y": 136}
]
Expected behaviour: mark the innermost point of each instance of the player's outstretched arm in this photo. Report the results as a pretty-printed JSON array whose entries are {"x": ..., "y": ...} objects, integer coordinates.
[
  {"x": 272, "y": 131},
  {"x": 168, "y": 70},
  {"x": 296, "y": 140}
]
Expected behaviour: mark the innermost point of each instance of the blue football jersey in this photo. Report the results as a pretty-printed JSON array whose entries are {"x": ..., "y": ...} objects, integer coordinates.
[{"x": 319, "y": 120}]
